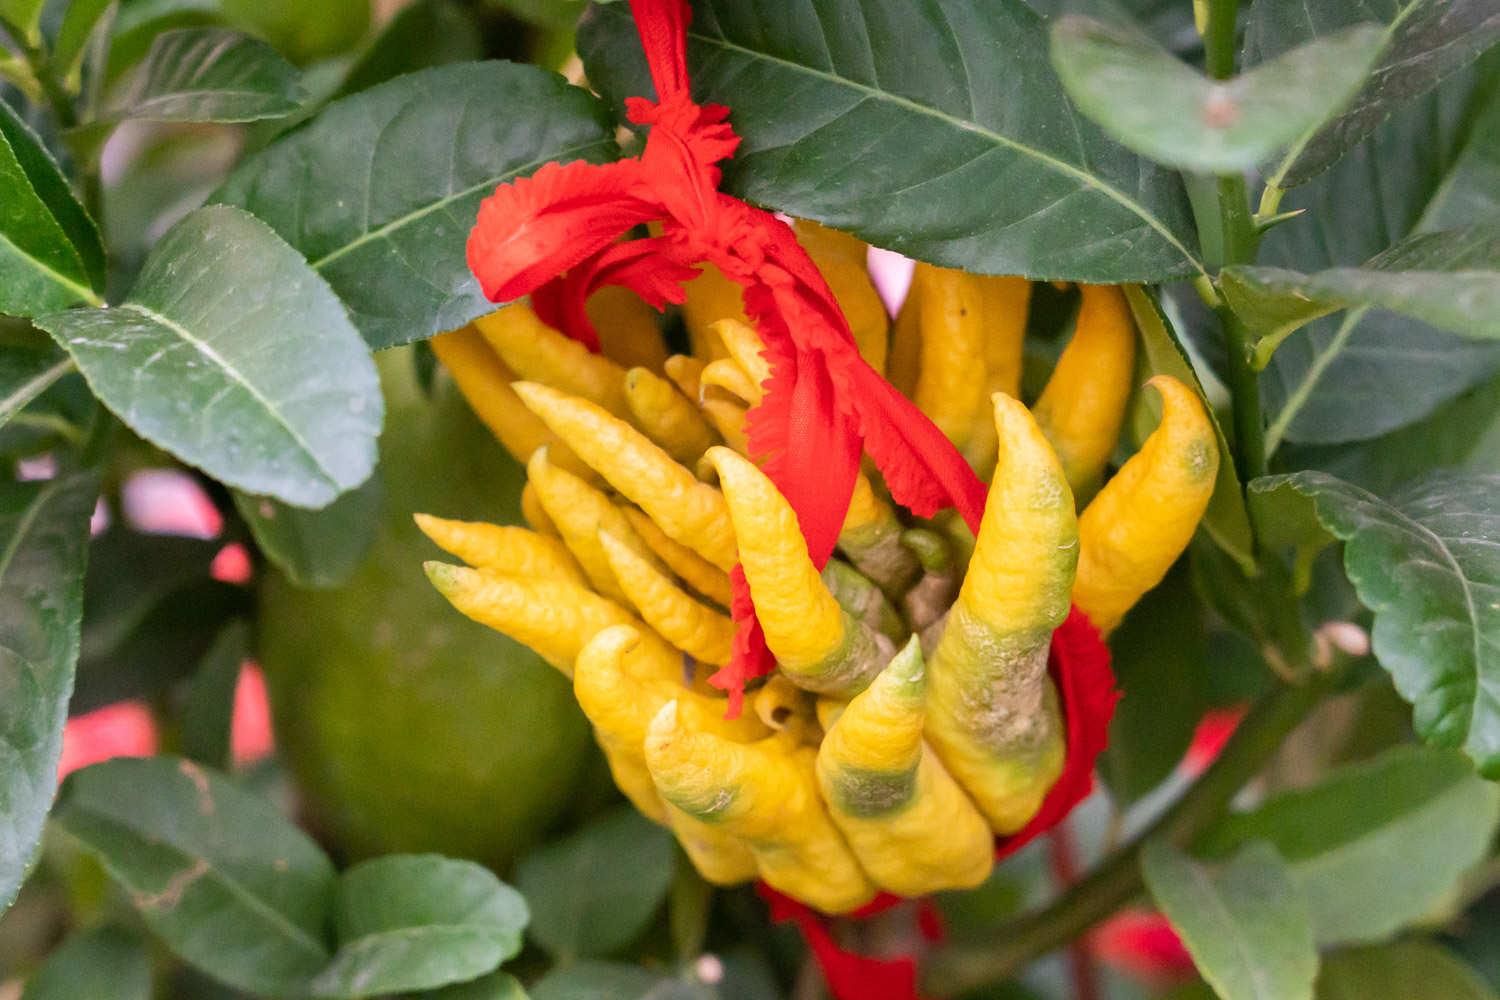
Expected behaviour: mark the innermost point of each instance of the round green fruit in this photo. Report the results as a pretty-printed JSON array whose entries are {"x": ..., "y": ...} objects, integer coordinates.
[{"x": 408, "y": 727}]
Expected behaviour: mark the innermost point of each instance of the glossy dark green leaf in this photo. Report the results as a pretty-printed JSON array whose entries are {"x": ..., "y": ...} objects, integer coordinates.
[
  {"x": 1245, "y": 925},
  {"x": 417, "y": 155},
  {"x": 1377, "y": 845},
  {"x": 102, "y": 963},
  {"x": 1168, "y": 111},
  {"x": 1403, "y": 970},
  {"x": 1448, "y": 279},
  {"x": 222, "y": 878},
  {"x": 1427, "y": 563},
  {"x": 1357, "y": 376},
  {"x": 423, "y": 34},
  {"x": 592, "y": 892},
  {"x": 40, "y": 268},
  {"x": 45, "y": 530},
  {"x": 1425, "y": 41},
  {"x": 1159, "y": 654},
  {"x": 209, "y": 75},
  {"x": 25, "y": 374},
  {"x": 937, "y": 129},
  {"x": 231, "y": 353},
  {"x": 51, "y": 186},
  {"x": 1470, "y": 193},
  {"x": 315, "y": 548},
  {"x": 1226, "y": 520},
  {"x": 417, "y": 922},
  {"x": 208, "y": 710}
]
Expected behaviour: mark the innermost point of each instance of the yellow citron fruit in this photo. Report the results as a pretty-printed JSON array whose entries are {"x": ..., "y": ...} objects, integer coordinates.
[
  {"x": 786, "y": 708},
  {"x": 817, "y": 644},
  {"x": 686, "y": 623},
  {"x": 553, "y": 617},
  {"x": 1083, "y": 405},
  {"x": 842, "y": 259},
  {"x": 726, "y": 374},
  {"x": 627, "y": 328},
  {"x": 688, "y": 511},
  {"x": 1005, "y": 304},
  {"x": 685, "y": 372},
  {"x": 538, "y": 353},
  {"x": 485, "y": 383},
  {"x": 1144, "y": 517},
  {"x": 710, "y": 298},
  {"x": 746, "y": 349},
  {"x": 535, "y": 515},
  {"x": 951, "y": 319},
  {"x": 579, "y": 513},
  {"x": 905, "y": 359},
  {"x": 667, "y": 417},
  {"x": 700, "y": 574},
  {"x": 505, "y": 548},
  {"x": 992, "y": 715},
  {"x": 727, "y": 415},
  {"x": 910, "y": 825},
  {"x": 766, "y": 794}
]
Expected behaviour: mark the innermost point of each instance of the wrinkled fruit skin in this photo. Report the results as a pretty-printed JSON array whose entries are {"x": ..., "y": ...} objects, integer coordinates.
[{"x": 407, "y": 727}]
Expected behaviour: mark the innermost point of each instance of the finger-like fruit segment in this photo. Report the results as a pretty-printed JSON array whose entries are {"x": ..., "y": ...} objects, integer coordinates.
[
  {"x": 538, "y": 353},
  {"x": 745, "y": 347},
  {"x": 687, "y": 510},
  {"x": 700, "y": 574},
  {"x": 726, "y": 374},
  {"x": 818, "y": 644},
  {"x": 1143, "y": 518},
  {"x": 910, "y": 825},
  {"x": 505, "y": 548},
  {"x": 871, "y": 539},
  {"x": 952, "y": 333},
  {"x": 1005, "y": 306},
  {"x": 686, "y": 623},
  {"x": 710, "y": 298},
  {"x": 766, "y": 794},
  {"x": 992, "y": 714},
  {"x": 667, "y": 417},
  {"x": 1083, "y": 405},
  {"x": 842, "y": 260},
  {"x": 627, "y": 327}
]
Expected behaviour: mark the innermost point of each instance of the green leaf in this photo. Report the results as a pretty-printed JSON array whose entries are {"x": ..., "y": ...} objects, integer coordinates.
[
  {"x": 82, "y": 22},
  {"x": 593, "y": 892},
  {"x": 104, "y": 962},
  {"x": 51, "y": 186},
  {"x": 45, "y": 531},
  {"x": 40, "y": 268},
  {"x": 1370, "y": 864},
  {"x": 1449, "y": 280},
  {"x": 209, "y": 75},
  {"x": 208, "y": 713},
  {"x": 591, "y": 980},
  {"x": 1470, "y": 192},
  {"x": 496, "y": 986},
  {"x": 315, "y": 548},
  {"x": 1158, "y": 654},
  {"x": 418, "y": 154},
  {"x": 23, "y": 15},
  {"x": 938, "y": 130},
  {"x": 1425, "y": 41},
  {"x": 1404, "y": 970},
  {"x": 1246, "y": 925},
  {"x": 1427, "y": 563},
  {"x": 25, "y": 374},
  {"x": 428, "y": 33},
  {"x": 227, "y": 883},
  {"x": 236, "y": 357},
  {"x": 1226, "y": 520},
  {"x": 1168, "y": 111},
  {"x": 1352, "y": 377},
  {"x": 418, "y": 922}
]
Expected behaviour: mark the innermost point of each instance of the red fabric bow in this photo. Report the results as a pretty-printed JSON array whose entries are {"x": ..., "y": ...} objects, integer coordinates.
[{"x": 557, "y": 236}]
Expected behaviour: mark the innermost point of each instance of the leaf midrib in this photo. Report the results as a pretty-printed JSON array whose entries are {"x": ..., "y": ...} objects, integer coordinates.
[
  {"x": 1052, "y": 162},
  {"x": 84, "y": 293}
]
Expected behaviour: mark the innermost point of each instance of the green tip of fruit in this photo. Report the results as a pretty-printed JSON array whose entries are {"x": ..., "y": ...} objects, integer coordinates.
[{"x": 906, "y": 674}]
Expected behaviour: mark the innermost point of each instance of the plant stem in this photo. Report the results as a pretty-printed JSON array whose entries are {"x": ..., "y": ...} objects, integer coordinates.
[
  {"x": 1003, "y": 953},
  {"x": 1219, "y": 38}
]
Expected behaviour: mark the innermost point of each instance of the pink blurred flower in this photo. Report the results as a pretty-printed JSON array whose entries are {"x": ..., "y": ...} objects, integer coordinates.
[
  {"x": 124, "y": 729},
  {"x": 170, "y": 502},
  {"x": 231, "y": 564},
  {"x": 1141, "y": 944},
  {"x": 250, "y": 736}
]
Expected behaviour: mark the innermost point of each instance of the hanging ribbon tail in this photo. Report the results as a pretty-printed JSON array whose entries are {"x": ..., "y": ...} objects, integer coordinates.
[
  {"x": 750, "y": 658},
  {"x": 662, "y": 25},
  {"x": 849, "y": 976},
  {"x": 533, "y": 229},
  {"x": 1079, "y": 664}
]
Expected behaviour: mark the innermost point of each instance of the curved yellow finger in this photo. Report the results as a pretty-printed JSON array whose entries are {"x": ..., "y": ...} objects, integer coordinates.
[
  {"x": 952, "y": 330},
  {"x": 697, "y": 572},
  {"x": 687, "y": 510},
  {"x": 766, "y": 794},
  {"x": 485, "y": 382},
  {"x": 910, "y": 825},
  {"x": 504, "y": 548},
  {"x": 580, "y": 512},
  {"x": 531, "y": 510},
  {"x": 992, "y": 712},
  {"x": 1005, "y": 307},
  {"x": 904, "y": 363},
  {"x": 667, "y": 417},
  {"x": 538, "y": 353},
  {"x": 1143, "y": 518},
  {"x": 1083, "y": 406},
  {"x": 726, "y": 374},
  {"x": 727, "y": 415},
  {"x": 786, "y": 708},
  {"x": 685, "y": 372},
  {"x": 691, "y": 626},
  {"x": 745, "y": 348},
  {"x": 627, "y": 328},
  {"x": 842, "y": 260},
  {"x": 710, "y": 298},
  {"x": 553, "y": 617},
  {"x": 818, "y": 644}
]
